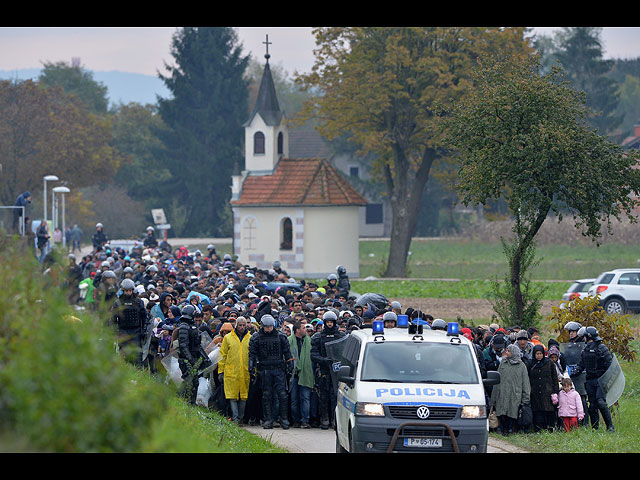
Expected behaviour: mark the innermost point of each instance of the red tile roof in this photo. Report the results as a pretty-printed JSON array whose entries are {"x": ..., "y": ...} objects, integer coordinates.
[{"x": 299, "y": 182}]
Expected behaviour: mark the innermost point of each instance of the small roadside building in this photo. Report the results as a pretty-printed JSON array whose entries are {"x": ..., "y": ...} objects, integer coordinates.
[{"x": 301, "y": 212}]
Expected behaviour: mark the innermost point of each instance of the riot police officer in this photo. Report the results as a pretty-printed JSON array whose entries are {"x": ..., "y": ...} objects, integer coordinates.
[
  {"x": 106, "y": 288},
  {"x": 99, "y": 238},
  {"x": 344, "y": 285},
  {"x": 191, "y": 356},
  {"x": 270, "y": 358},
  {"x": 595, "y": 361},
  {"x": 150, "y": 240},
  {"x": 574, "y": 328},
  {"x": 324, "y": 362},
  {"x": 577, "y": 339},
  {"x": 129, "y": 315}
]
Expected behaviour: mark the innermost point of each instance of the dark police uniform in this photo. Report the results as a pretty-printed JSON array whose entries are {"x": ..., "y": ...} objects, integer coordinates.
[
  {"x": 270, "y": 358},
  {"x": 595, "y": 361}
]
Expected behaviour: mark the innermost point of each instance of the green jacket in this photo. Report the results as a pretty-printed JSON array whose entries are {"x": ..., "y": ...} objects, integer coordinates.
[
  {"x": 90, "y": 289},
  {"x": 302, "y": 361},
  {"x": 513, "y": 390}
]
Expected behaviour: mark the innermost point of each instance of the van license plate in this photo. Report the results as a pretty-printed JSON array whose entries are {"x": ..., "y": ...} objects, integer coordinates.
[{"x": 423, "y": 442}]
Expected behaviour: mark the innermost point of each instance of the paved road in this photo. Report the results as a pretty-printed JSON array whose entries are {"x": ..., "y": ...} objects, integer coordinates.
[{"x": 315, "y": 440}]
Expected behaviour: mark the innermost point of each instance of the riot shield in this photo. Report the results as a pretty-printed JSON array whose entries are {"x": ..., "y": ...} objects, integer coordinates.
[
  {"x": 146, "y": 339},
  {"x": 612, "y": 381},
  {"x": 334, "y": 350},
  {"x": 205, "y": 339},
  {"x": 572, "y": 353}
]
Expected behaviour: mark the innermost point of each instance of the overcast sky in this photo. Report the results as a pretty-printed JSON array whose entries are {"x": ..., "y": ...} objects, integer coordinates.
[{"x": 146, "y": 49}]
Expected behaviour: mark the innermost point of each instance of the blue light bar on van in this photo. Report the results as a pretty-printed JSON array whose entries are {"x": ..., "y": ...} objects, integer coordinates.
[
  {"x": 378, "y": 326},
  {"x": 453, "y": 329},
  {"x": 403, "y": 321}
]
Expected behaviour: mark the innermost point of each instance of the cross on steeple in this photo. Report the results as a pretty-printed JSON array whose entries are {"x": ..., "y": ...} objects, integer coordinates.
[{"x": 267, "y": 43}]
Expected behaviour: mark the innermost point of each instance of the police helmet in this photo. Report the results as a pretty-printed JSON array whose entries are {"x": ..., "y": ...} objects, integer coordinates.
[
  {"x": 108, "y": 274},
  {"x": 332, "y": 276},
  {"x": 211, "y": 246},
  {"x": 340, "y": 269},
  {"x": 573, "y": 326},
  {"x": 98, "y": 225},
  {"x": 592, "y": 333},
  {"x": 127, "y": 284},
  {"x": 390, "y": 317},
  {"x": 582, "y": 331},
  {"x": 189, "y": 311},
  {"x": 150, "y": 228},
  {"x": 152, "y": 268},
  {"x": 268, "y": 321},
  {"x": 438, "y": 324},
  {"x": 330, "y": 316},
  {"x": 127, "y": 270}
]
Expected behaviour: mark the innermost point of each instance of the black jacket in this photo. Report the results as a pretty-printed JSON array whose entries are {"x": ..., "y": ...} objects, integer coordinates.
[
  {"x": 544, "y": 382},
  {"x": 595, "y": 360}
]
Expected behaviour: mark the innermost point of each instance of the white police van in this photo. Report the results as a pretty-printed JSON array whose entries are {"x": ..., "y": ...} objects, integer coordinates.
[{"x": 407, "y": 390}]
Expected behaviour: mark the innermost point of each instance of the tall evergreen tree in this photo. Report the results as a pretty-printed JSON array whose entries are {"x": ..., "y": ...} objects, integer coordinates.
[
  {"x": 580, "y": 52},
  {"x": 204, "y": 117}
]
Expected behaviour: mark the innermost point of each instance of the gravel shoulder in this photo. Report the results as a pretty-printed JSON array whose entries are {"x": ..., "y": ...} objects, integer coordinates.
[{"x": 316, "y": 440}]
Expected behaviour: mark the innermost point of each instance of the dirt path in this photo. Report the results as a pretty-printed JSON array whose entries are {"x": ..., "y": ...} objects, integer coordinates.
[{"x": 467, "y": 309}]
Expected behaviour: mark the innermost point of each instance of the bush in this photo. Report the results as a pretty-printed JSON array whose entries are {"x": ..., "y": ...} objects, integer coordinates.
[
  {"x": 614, "y": 329},
  {"x": 62, "y": 387},
  {"x": 503, "y": 296}
]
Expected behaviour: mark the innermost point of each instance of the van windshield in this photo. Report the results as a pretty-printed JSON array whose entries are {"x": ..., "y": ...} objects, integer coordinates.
[{"x": 412, "y": 362}]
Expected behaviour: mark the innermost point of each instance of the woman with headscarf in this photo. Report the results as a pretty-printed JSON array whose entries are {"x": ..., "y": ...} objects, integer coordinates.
[
  {"x": 513, "y": 390},
  {"x": 544, "y": 382}
]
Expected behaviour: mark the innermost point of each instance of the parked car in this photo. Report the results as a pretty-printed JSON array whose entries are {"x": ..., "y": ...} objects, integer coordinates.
[
  {"x": 619, "y": 290},
  {"x": 578, "y": 288}
]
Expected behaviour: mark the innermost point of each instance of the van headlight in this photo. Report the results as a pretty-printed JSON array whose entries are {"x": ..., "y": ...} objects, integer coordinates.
[
  {"x": 370, "y": 409},
  {"x": 474, "y": 411}
]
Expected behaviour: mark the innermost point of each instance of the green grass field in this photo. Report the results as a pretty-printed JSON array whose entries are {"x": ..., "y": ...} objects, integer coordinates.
[{"x": 470, "y": 260}]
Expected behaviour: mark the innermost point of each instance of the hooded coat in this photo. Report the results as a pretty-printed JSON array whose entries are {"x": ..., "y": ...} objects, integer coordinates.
[
  {"x": 234, "y": 364},
  {"x": 544, "y": 382},
  {"x": 156, "y": 310},
  {"x": 514, "y": 388}
]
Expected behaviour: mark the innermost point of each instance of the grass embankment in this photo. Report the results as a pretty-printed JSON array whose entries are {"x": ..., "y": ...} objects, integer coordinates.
[{"x": 63, "y": 389}]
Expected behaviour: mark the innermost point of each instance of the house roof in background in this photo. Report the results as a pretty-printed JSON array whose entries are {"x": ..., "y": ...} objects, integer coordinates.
[{"x": 306, "y": 142}]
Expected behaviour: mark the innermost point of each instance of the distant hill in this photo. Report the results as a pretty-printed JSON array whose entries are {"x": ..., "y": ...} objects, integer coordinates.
[{"x": 122, "y": 87}]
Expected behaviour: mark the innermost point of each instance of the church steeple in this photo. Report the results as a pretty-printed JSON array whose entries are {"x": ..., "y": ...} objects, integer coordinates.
[
  {"x": 267, "y": 101},
  {"x": 266, "y": 134}
]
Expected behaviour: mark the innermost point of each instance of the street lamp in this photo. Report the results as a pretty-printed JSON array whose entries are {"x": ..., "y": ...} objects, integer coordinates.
[
  {"x": 48, "y": 178},
  {"x": 62, "y": 190}
]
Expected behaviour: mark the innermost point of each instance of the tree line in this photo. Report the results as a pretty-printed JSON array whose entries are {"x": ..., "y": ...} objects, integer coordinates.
[{"x": 378, "y": 92}]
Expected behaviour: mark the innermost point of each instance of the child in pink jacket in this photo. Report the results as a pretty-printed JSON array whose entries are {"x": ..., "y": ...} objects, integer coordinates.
[{"x": 569, "y": 405}]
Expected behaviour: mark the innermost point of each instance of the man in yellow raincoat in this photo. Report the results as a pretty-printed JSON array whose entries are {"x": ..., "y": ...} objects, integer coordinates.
[{"x": 233, "y": 368}]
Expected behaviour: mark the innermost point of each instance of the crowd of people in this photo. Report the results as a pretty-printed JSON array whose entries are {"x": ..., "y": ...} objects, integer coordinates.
[{"x": 259, "y": 338}]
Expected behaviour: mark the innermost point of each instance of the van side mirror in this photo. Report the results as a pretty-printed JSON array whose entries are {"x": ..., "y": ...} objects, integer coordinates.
[
  {"x": 344, "y": 375},
  {"x": 493, "y": 378}
]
